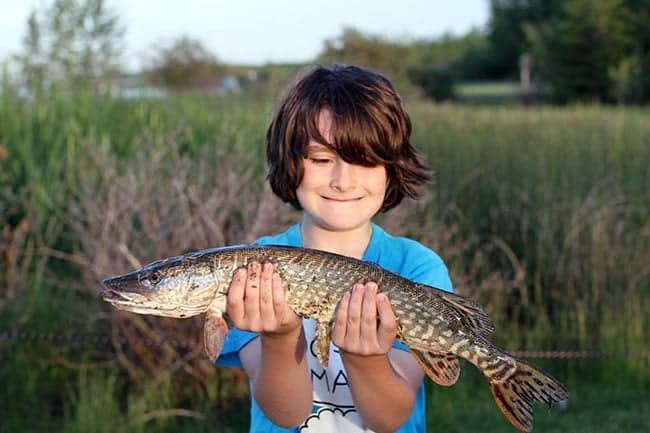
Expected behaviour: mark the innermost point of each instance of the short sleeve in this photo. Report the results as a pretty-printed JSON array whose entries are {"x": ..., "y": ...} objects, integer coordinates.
[{"x": 235, "y": 341}]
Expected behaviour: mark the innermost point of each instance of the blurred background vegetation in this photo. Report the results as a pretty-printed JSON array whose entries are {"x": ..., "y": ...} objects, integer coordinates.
[{"x": 536, "y": 127}]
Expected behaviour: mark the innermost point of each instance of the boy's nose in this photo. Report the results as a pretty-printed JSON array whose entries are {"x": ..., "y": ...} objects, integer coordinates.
[{"x": 342, "y": 176}]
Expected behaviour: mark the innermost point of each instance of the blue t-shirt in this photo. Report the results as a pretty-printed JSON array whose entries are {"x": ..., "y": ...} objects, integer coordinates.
[{"x": 333, "y": 409}]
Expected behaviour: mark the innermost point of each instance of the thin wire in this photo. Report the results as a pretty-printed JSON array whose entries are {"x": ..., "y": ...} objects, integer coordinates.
[{"x": 103, "y": 340}]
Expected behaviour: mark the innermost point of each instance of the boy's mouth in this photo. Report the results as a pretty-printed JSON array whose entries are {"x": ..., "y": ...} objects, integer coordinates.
[{"x": 342, "y": 200}]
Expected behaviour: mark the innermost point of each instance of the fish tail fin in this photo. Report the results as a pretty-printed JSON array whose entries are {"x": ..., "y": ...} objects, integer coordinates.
[
  {"x": 516, "y": 393},
  {"x": 215, "y": 330}
]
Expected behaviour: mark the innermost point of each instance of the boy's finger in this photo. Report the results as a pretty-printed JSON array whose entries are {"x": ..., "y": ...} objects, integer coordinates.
[
  {"x": 368, "y": 319},
  {"x": 236, "y": 295},
  {"x": 341, "y": 320},
  {"x": 277, "y": 290},
  {"x": 352, "y": 330},
  {"x": 252, "y": 295},
  {"x": 387, "y": 322},
  {"x": 266, "y": 293}
]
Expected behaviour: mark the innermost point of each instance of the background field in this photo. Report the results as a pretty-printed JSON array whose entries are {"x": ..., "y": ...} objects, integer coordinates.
[{"x": 540, "y": 213}]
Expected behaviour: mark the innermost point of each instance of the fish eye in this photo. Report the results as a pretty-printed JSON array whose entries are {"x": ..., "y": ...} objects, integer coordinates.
[{"x": 154, "y": 277}]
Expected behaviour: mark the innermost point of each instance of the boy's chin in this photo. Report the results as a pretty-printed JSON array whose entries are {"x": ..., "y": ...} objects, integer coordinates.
[{"x": 342, "y": 225}]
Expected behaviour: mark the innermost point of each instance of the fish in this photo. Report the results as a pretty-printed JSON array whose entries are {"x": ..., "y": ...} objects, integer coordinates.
[{"x": 439, "y": 327}]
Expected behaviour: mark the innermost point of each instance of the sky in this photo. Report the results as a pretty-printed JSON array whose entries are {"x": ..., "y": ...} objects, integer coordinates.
[{"x": 255, "y": 32}]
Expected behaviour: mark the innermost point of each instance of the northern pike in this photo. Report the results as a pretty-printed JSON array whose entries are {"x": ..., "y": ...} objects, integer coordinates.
[{"x": 438, "y": 327}]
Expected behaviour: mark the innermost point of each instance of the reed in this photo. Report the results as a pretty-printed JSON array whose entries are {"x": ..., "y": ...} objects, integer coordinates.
[{"x": 540, "y": 213}]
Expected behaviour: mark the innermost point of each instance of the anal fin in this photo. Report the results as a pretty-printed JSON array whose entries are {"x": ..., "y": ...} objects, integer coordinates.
[
  {"x": 322, "y": 343},
  {"x": 442, "y": 368}
]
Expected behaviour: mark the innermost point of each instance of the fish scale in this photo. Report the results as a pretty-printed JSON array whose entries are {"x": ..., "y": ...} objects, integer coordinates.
[{"x": 438, "y": 327}]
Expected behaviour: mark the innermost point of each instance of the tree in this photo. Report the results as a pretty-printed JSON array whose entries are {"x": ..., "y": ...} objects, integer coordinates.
[
  {"x": 73, "y": 44},
  {"x": 183, "y": 64},
  {"x": 579, "y": 52},
  {"x": 506, "y": 31},
  {"x": 391, "y": 58},
  {"x": 33, "y": 61},
  {"x": 640, "y": 10},
  {"x": 437, "y": 83}
]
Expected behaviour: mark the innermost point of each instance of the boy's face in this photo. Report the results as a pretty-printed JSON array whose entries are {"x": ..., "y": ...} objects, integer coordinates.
[{"x": 334, "y": 194}]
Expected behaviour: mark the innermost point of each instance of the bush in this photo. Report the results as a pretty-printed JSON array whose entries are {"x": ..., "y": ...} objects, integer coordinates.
[{"x": 436, "y": 83}]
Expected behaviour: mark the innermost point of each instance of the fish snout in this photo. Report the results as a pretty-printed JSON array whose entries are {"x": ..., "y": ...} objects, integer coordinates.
[{"x": 109, "y": 294}]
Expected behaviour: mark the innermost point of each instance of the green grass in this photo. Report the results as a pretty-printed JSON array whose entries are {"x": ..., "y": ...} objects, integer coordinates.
[
  {"x": 602, "y": 400},
  {"x": 540, "y": 213},
  {"x": 488, "y": 89},
  {"x": 488, "y": 93}
]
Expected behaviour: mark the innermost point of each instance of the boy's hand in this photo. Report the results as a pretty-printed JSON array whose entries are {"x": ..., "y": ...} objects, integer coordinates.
[
  {"x": 256, "y": 301},
  {"x": 356, "y": 328}
]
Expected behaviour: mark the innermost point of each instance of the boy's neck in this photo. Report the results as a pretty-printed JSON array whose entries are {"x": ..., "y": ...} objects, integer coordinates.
[{"x": 351, "y": 243}]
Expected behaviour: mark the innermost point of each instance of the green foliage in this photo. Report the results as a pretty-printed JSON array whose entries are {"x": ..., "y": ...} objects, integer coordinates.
[
  {"x": 506, "y": 32},
  {"x": 376, "y": 52},
  {"x": 625, "y": 80},
  {"x": 576, "y": 51},
  {"x": 428, "y": 65},
  {"x": 436, "y": 83},
  {"x": 541, "y": 214},
  {"x": 605, "y": 401},
  {"x": 184, "y": 64},
  {"x": 640, "y": 10},
  {"x": 93, "y": 407},
  {"x": 488, "y": 93},
  {"x": 582, "y": 50},
  {"x": 73, "y": 44}
]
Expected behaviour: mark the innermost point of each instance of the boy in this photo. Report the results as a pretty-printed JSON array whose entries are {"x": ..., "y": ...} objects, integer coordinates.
[{"x": 338, "y": 149}]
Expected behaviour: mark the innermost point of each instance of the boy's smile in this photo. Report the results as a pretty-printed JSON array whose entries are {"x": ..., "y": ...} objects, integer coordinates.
[{"x": 343, "y": 200}]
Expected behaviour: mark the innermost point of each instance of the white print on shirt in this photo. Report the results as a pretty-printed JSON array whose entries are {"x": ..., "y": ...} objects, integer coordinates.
[{"x": 334, "y": 409}]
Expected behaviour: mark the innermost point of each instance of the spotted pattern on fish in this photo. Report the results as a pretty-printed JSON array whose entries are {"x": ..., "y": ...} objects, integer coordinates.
[{"x": 439, "y": 327}]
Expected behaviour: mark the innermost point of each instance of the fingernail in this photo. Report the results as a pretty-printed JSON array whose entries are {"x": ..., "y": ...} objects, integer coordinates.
[{"x": 372, "y": 287}]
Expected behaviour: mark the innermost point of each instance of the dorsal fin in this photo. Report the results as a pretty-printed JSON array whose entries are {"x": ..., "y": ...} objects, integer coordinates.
[{"x": 471, "y": 313}]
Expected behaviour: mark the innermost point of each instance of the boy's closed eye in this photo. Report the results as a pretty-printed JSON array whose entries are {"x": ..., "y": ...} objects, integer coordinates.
[
  {"x": 320, "y": 156},
  {"x": 320, "y": 160}
]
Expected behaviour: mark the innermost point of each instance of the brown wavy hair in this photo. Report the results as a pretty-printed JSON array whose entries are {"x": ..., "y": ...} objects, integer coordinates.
[{"x": 370, "y": 127}]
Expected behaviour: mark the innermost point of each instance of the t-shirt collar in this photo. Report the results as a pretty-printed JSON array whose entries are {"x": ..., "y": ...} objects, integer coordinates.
[{"x": 372, "y": 253}]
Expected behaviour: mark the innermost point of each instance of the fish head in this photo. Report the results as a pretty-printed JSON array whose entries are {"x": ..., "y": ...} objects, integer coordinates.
[{"x": 174, "y": 287}]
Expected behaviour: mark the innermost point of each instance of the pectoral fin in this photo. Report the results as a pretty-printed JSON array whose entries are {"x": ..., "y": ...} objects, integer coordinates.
[
  {"x": 443, "y": 369},
  {"x": 322, "y": 342},
  {"x": 215, "y": 330}
]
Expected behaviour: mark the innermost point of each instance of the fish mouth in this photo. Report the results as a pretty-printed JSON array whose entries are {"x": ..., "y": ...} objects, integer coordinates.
[
  {"x": 129, "y": 300},
  {"x": 111, "y": 295},
  {"x": 138, "y": 303},
  {"x": 125, "y": 289}
]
